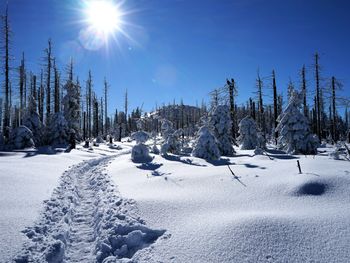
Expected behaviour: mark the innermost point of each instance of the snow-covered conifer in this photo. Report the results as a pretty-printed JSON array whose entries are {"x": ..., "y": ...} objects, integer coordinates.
[
  {"x": 32, "y": 121},
  {"x": 58, "y": 131},
  {"x": 172, "y": 144},
  {"x": 248, "y": 135},
  {"x": 21, "y": 138},
  {"x": 166, "y": 128},
  {"x": 293, "y": 127},
  {"x": 220, "y": 122},
  {"x": 206, "y": 145},
  {"x": 72, "y": 107}
]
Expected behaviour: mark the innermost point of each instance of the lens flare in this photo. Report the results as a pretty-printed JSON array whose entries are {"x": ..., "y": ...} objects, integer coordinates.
[{"x": 103, "y": 16}]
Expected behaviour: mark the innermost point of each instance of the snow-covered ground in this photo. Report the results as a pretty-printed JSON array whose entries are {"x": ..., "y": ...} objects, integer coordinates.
[
  {"x": 26, "y": 179},
  {"x": 101, "y": 203},
  {"x": 271, "y": 214}
]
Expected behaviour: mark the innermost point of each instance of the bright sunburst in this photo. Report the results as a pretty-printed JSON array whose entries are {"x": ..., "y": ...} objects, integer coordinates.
[
  {"x": 104, "y": 16},
  {"x": 104, "y": 22}
]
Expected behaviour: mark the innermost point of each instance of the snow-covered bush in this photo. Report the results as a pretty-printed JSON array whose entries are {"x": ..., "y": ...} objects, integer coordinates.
[
  {"x": 335, "y": 154},
  {"x": 140, "y": 152},
  {"x": 58, "y": 131},
  {"x": 21, "y": 138},
  {"x": 293, "y": 127},
  {"x": 258, "y": 151},
  {"x": 99, "y": 139},
  {"x": 206, "y": 145},
  {"x": 221, "y": 123},
  {"x": 155, "y": 149},
  {"x": 261, "y": 141},
  {"x": 166, "y": 128},
  {"x": 248, "y": 134},
  {"x": 31, "y": 120}
]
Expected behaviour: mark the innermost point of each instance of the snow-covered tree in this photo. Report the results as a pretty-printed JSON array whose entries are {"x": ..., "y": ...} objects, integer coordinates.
[
  {"x": 32, "y": 121},
  {"x": 71, "y": 107},
  {"x": 206, "y": 145},
  {"x": 172, "y": 144},
  {"x": 166, "y": 128},
  {"x": 140, "y": 152},
  {"x": 58, "y": 131},
  {"x": 21, "y": 138},
  {"x": 293, "y": 127},
  {"x": 220, "y": 121},
  {"x": 248, "y": 134}
]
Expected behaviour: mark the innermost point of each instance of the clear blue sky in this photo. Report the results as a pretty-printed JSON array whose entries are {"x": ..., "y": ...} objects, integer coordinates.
[{"x": 184, "y": 49}]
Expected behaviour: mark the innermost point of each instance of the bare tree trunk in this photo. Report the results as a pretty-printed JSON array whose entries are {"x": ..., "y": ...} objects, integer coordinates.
[
  {"x": 56, "y": 88},
  {"x": 106, "y": 114},
  {"x": 48, "y": 80},
  {"x": 232, "y": 90},
  {"x": 318, "y": 104},
  {"x": 7, "y": 109},
  {"x": 261, "y": 107},
  {"x": 334, "y": 124},
  {"x": 21, "y": 89},
  {"x": 275, "y": 111},
  {"x": 304, "y": 91}
]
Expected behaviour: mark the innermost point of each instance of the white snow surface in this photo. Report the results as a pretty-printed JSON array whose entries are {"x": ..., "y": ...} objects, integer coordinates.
[
  {"x": 27, "y": 178},
  {"x": 266, "y": 212},
  {"x": 101, "y": 205}
]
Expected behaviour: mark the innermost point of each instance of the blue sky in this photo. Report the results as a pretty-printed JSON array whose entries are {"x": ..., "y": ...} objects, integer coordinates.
[{"x": 184, "y": 49}]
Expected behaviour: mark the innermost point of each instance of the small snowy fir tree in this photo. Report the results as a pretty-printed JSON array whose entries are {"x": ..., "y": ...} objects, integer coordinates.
[
  {"x": 32, "y": 121},
  {"x": 172, "y": 144},
  {"x": 71, "y": 107},
  {"x": 221, "y": 123},
  {"x": 155, "y": 149},
  {"x": 58, "y": 131},
  {"x": 206, "y": 146},
  {"x": 22, "y": 138},
  {"x": 293, "y": 127},
  {"x": 248, "y": 134},
  {"x": 140, "y": 152},
  {"x": 166, "y": 128}
]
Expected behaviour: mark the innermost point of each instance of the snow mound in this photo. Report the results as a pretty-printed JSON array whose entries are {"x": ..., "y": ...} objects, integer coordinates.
[{"x": 86, "y": 220}]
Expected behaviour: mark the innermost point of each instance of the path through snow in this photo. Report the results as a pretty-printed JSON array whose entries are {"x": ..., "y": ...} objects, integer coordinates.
[{"x": 86, "y": 220}]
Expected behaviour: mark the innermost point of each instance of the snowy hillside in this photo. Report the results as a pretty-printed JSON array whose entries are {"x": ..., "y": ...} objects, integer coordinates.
[{"x": 173, "y": 209}]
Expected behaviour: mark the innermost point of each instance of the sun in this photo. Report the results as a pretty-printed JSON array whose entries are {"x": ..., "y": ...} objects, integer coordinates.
[{"x": 103, "y": 16}]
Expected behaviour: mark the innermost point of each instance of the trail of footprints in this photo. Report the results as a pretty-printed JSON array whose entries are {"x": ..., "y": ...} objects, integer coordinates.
[{"x": 86, "y": 220}]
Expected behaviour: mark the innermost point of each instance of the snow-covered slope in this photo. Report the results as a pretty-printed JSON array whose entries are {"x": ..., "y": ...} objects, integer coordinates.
[
  {"x": 27, "y": 178},
  {"x": 270, "y": 213},
  {"x": 173, "y": 209}
]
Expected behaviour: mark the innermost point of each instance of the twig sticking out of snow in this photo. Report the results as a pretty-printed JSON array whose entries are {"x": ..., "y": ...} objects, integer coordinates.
[
  {"x": 298, "y": 164},
  {"x": 235, "y": 176}
]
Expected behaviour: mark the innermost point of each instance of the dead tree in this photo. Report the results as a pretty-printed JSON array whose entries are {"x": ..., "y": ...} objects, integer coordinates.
[
  {"x": 7, "y": 109},
  {"x": 48, "y": 59},
  {"x": 21, "y": 88},
  {"x": 303, "y": 88},
  {"x": 106, "y": 115},
  {"x": 318, "y": 100},
  {"x": 275, "y": 104},
  {"x": 56, "y": 88}
]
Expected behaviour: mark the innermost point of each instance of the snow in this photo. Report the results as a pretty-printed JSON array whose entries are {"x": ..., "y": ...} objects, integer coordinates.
[
  {"x": 268, "y": 212},
  {"x": 27, "y": 178},
  {"x": 103, "y": 207}
]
